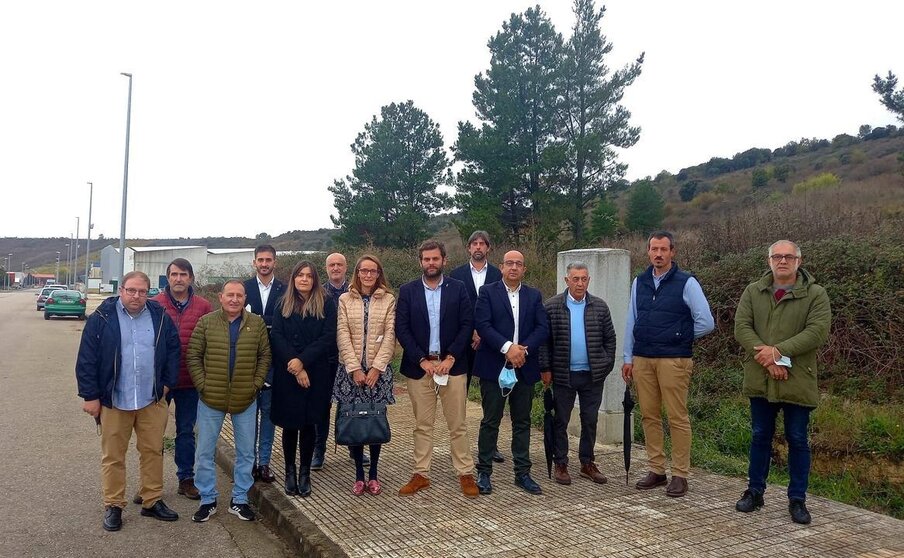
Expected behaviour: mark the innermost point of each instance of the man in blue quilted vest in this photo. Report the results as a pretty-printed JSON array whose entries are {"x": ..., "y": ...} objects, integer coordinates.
[{"x": 666, "y": 313}]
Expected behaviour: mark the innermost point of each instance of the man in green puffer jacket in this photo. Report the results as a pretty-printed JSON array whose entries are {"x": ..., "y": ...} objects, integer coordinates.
[
  {"x": 228, "y": 358},
  {"x": 781, "y": 322}
]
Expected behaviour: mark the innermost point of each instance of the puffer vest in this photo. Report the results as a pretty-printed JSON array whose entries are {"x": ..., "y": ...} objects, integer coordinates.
[{"x": 664, "y": 325}]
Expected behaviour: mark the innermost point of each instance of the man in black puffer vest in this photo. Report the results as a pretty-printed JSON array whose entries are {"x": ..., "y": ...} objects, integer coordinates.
[{"x": 667, "y": 311}]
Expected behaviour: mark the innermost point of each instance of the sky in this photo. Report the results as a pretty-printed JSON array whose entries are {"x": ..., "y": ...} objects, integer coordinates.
[{"x": 243, "y": 113}]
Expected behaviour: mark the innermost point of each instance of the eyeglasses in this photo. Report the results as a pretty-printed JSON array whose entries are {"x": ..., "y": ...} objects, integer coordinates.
[
  {"x": 136, "y": 292},
  {"x": 779, "y": 257},
  {"x": 512, "y": 263},
  {"x": 368, "y": 271}
]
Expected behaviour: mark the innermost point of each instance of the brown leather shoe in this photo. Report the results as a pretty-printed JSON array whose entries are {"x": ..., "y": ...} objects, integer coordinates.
[
  {"x": 468, "y": 486},
  {"x": 652, "y": 480},
  {"x": 187, "y": 489},
  {"x": 266, "y": 475},
  {"x": 590, "y": 471},
  {"x": 417, "y": 483},
  {"x": 560, "y": 474},
  {"x": 676, "y": 488}
]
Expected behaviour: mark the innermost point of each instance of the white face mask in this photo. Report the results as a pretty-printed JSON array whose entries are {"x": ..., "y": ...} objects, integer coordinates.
[{"x": 441, "y": 380}]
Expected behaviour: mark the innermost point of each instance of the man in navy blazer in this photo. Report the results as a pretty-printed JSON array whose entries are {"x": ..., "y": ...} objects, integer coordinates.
[
  {"x": 512, "y": 324},
  {"x": 475, "y": 274},
  {"x": 434, "y": 324},
  {"x": 262, "y": 294}
]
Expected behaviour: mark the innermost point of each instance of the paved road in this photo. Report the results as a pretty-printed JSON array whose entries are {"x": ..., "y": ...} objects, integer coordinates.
[{"x": 50, "y": 497}]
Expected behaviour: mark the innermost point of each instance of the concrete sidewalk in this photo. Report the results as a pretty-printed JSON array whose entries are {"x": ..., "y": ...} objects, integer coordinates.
[{"x": 583, "y": 519}]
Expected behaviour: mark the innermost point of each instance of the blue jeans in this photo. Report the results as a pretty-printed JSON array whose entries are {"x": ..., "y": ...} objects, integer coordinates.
[
  {"x": 762, "y": 418},
  {"x": 210, "y": 422},
  {"x": 186, "y": 414},
  {"x": 264, "y": 432}
]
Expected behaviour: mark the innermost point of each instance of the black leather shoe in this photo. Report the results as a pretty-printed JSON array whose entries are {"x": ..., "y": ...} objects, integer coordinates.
[
  {"x": 291, "y": 480},
  {"x": 160, "y": 511},
  {"x": 528, "y": 484},
  {"x": 799, "y": 513},
  {"x": 484, "y": 486},
  {"x": 498, "y": 457},
  {"x": 750, "y": 501},
  {"x": 112, "y": 518},
  {"x": 266, "y": 475},
  {"x": 304, "y": 482},
  {"x": 137, "y": 499},
  {"x": 255, "y": 472}
]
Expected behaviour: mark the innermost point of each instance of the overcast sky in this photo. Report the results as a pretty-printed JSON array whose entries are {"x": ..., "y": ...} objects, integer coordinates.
[{"x": 243, "y": 112}]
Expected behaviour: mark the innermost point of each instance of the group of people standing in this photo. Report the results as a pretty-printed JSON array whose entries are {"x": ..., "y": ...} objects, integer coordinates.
[{"x": 281, "y": 355}]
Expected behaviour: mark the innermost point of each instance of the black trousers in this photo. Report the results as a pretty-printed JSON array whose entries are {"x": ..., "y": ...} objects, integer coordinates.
[
  {"x": 519, "y": 400},
  {"x": 291, "y": 445},
  {"x": 590, "y": 396}
]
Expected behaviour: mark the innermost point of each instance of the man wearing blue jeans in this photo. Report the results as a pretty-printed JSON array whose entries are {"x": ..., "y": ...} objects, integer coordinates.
[
  {"x": 228, "y": 358},
  {"x": 185, "y": 309},
  {"x": 781, "y": 321},
  {"x": 263, "y": 292}
]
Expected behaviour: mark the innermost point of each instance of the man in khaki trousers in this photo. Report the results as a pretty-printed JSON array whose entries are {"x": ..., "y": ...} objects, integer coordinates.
[
  {"x": 128, "y": 360},
  {"x": 434, "y": 325},
  {"x": 667, "y": 311}
]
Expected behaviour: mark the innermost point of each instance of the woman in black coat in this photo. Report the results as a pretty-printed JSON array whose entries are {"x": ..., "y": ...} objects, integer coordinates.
[{"x": 303, "y": 337}]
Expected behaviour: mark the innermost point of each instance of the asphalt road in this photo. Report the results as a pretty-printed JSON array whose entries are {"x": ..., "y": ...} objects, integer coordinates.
[{"x": 50, "y": 499}]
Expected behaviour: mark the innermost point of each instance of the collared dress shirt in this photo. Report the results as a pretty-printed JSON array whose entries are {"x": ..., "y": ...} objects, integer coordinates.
[
  {"x": 514, "y": 296},
  {"x": 478, "y": 275},
  {"x": 433, "y": 297},
  {"x": 265, "y": 292},
  {"x": 134, "y": 388}
]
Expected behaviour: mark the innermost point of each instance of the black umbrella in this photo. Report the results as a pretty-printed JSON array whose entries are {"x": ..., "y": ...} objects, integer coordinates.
[
  {"x": 549, "y": 429},
  {"x": 628, "y": 405}
]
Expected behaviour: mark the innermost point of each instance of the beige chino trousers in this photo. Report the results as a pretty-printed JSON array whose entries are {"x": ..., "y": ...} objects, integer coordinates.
[
  {"x": 454, "y": 398},
  {"x": 664, "y": 382}
]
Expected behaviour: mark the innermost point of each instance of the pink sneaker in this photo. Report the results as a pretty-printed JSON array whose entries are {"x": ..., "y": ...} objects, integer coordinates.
[
  {"x": 358, "y": 489},
  {"x": 374, "y": 487}
]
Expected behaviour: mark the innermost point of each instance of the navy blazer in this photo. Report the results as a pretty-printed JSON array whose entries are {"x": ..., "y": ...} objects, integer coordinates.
[
  {"x": 253, "y": 297},
  {"x": 463, "y": 274},
  {"x": 412, "y": 325},
  {"x": 495, "y": 324}
]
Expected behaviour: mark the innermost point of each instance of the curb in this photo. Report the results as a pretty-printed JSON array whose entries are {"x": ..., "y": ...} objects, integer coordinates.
[{"x": 300, "y": 534}]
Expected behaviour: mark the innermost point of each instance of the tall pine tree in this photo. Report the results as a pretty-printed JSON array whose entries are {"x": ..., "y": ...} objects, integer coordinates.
[{"x": 399, "y": 163}]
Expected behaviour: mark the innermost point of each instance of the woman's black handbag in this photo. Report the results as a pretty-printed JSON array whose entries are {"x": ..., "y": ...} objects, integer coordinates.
[{"x": 362, "y": 424}]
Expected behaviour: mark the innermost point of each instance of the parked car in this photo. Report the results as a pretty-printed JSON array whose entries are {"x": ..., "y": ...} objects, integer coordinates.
[
  {"x": 65, "y": 303},
  {"x": 153, "y": 291},
  {"x": 45, "y": 292}
]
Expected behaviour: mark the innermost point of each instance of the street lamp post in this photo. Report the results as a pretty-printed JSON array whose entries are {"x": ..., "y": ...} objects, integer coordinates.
[
  {"x": 88, "y": 241},
  {"x": 9, "y": 262},
  {"x": 75, "y": 257},
  {"x": 125, "y": 185},
  {"x": 68, "y": 258},
  {"x": 56, "y": 276}
]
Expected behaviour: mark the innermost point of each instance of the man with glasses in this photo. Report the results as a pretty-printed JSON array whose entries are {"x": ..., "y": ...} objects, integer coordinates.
[
  {"x": 781, "y": 321},
  {"x": 666, "y": 313},
  {"x": 433, "y": 324},
  {"x": 512, "y": 325},
  {"x": 128, "y": 361},
  {"x": 576, "y": 360},
  {"x": 263, "y": 292}
]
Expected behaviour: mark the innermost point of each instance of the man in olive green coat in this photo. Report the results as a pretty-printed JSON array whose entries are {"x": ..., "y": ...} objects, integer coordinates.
[
  {"x": 228, "y": 358},
  {"x": 781, "y": 322}
]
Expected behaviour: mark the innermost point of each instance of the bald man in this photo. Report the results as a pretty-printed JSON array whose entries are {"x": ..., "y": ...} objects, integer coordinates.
[{"x": 511, "y": 321}]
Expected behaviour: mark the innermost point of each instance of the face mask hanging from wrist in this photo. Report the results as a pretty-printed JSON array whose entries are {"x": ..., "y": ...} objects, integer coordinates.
[{"x": 507, "y": 380}]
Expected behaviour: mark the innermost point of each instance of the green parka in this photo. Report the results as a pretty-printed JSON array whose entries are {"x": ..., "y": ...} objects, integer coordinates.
[
  {"x": 208, "y": 361},
  {"x": 797, "y": 326}
]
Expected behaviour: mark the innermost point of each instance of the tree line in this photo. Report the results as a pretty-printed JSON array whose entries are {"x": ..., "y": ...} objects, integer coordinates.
[{"x": 540, "y": 155}]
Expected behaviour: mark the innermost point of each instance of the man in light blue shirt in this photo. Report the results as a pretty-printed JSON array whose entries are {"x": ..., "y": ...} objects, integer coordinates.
[
  {"x": 128, "y": 360},
  {"x": 666, "y": 313}
]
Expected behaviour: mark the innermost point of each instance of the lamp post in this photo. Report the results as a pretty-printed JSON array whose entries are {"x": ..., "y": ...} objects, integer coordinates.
[
  {"x": 9, "y": 262},
  {"x": 88, "y": 241},
  {"x": 75, "y": 257},
  {"x": 68, "y": 259},
  {"x": 125, "y": 185},
  {"x": 56, "y": 276}
]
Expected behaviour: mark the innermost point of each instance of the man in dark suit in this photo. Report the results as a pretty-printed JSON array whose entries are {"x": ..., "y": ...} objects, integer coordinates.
[
  {"x": 512, "y": 325},
  {"x": 263, "y": 292},
  {"x": 475, "y": 274},
  {"x": 434, "y": 324}
]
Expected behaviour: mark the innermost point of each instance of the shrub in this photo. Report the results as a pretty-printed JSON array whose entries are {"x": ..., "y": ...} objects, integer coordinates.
[{"x": 818, "y": 182}]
